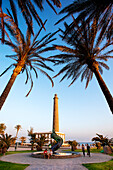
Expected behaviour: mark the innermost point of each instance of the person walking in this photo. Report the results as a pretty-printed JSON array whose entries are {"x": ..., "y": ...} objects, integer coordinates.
[
  {"x": 83, "y": 149},
  {"x": 88, "y": 150},
  {"x": 15, "y": 146}
]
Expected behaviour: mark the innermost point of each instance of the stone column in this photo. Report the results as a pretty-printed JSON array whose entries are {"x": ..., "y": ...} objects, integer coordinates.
[{"x": 55, "y": 114}]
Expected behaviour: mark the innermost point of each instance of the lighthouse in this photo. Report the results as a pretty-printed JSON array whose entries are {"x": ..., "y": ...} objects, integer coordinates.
[
  {"x": 55, "y": 114},
  {"x": 55, "y": 125}
]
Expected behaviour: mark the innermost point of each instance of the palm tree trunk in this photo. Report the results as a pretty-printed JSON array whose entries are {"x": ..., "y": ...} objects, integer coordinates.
[
  {"x": 9, "y": 85},
  {"x": 104, "y": 89},
  {"x": 17, "y": 133},
  {"x": 110, "y": 147}
]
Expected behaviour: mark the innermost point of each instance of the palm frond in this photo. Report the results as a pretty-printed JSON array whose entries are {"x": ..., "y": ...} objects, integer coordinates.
[
  {"x": 100, "y": 69},
  {"x": 35, "y": 72},
  {"x": 43, "y": 66},
  {"x": 64, "y": 49},
  {"x": 104, "y": 65},
  {"x": 34, "y": 13},
  {"x": 6, "y": 69},
  {"x": 51, "y": 6},
  {"x": 43, "y": 72},
  {"x": 14, "y": 57},
  {"x": 26, "y": 14},
  {"x": 84, "y": 73},
  {"x": 46, "y": 49},
  {"x": 51, "y": 35},
  {"x": 27, "y": 74},
  {"x": 88, "y": 77},
  {"x": 108, "y": 52},
  {"x": 13, "y": 8},
  {"x": 11, "y": 45},
  {"x": 62, "y": 70},
  {"x": 75, "y": 78},
  {"x": 28, "y": 37},
  {"x": 35, "y": 37},
  {"x": 31, "y": 86},
  {"x": 29, "y": 9},
  {"x": 42, "y": 39}
]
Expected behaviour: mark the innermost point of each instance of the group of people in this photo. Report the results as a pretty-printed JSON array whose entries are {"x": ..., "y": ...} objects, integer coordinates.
[
  {"x": 47, "y": 153},
  {"x": 88, "y": 150}
]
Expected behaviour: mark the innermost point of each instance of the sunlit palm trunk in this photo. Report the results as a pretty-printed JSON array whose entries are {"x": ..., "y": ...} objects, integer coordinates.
[
  {"x": 9, "y": 85},
  {"x": 17, "y": 133},
  {"x": 104, "y": 89}
]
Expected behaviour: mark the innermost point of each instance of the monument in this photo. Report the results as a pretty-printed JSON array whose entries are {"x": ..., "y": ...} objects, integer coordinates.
[
  {"x": 57, "y": 136},
  {"x": 55, "y": 126}
]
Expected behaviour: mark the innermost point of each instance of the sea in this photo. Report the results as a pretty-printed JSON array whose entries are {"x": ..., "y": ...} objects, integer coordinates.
[{"x": 89, "y": 143}]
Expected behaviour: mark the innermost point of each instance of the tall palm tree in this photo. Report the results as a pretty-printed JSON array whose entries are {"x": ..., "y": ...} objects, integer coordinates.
[
  {"x": 28, "y": 10},
  {"x": 17, "y": 127},
  {"x": 2, "y": 128},
  {"x": 85, "y": 57},
  {"x": 27, "y": 57},
  {"x": 91, "y": 8}
]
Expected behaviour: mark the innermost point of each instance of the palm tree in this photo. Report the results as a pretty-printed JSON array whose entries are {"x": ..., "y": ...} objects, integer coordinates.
[
  {"x": 103, "y": 140},
  {"x": 27, "y": 57},
  {"x": 17, "y": 127},
  {"x": 73, "y": 144},
  {"x": 30, "y": 132},
  {"x": 85, "y": 58},
  {"x": 23, "y": 139},
  {"x": 6, "y": 140},
  {"x": 41, "y": 142},
  {"x": 2, "y": 128},
  {"x": 33, "y": 140},
  {"x": 28, "y": 10},
  {"x": 90, "y": 9}
]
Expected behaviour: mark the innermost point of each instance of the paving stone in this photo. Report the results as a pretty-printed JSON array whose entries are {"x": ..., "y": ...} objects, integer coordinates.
[{"x": 55, "y": 164}]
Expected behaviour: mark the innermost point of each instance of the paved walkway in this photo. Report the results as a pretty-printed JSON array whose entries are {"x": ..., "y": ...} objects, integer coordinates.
[{"x": 55, "y": 164}]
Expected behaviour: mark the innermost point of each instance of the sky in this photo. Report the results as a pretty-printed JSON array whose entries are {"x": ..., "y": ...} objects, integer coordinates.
[{"x": 82, "y": 112}]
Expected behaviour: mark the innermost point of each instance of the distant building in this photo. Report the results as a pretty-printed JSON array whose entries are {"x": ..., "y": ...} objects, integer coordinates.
[{"x": 47, "y": 135}]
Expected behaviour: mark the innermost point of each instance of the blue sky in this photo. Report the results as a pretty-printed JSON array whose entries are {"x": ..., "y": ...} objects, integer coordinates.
[{"x": 82, "y": 113}]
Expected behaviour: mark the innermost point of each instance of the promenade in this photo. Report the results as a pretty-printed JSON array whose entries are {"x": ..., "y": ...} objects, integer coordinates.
[{"x": 55, "y": 164}]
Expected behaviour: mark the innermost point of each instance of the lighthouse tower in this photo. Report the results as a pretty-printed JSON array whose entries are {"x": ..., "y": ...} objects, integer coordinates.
[
  {"x": 55, "y": 126},
  {"x": 55, "y": 114}
]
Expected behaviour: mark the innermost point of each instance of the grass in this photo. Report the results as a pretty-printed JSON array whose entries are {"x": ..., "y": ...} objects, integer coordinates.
[
  {"x": 12, "y": 166},
  {"x": 15, "y": 152},
  {"x": 100, "y": 166},
  {"x": 93, "y": 150}
]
